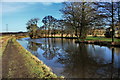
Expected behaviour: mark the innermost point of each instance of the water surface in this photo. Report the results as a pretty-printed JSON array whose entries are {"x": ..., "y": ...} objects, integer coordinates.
[{"x": 66, "y": 58}]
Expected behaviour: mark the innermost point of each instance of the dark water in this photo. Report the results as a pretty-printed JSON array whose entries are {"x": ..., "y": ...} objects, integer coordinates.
[{"x": 73, "y": 60}]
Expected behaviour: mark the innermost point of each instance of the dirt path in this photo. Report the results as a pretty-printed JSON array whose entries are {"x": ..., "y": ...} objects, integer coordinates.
[{"x": 13, "y": 63}]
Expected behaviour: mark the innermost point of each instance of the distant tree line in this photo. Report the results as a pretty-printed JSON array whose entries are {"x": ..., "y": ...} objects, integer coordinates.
[{"x": 79, "y": 18}]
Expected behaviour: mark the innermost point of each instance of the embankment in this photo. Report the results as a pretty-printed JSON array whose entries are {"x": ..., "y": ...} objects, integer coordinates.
[
  {"x": 101, "y": 43},
  {"x": 17, "y": 62},
  {"x": 3, "y": 43}
]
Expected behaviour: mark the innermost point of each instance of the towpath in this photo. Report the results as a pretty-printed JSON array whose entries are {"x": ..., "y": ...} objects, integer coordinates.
[{"x": 13, "y": 63}]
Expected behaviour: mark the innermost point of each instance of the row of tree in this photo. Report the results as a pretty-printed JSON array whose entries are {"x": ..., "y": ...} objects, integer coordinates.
[{"x": 79, "y": 18}]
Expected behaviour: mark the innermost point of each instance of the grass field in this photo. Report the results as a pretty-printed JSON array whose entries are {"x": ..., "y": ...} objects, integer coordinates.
[{"x": 101, "y": 39}]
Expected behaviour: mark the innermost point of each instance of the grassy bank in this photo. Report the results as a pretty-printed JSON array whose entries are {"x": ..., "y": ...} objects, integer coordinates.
[
  {"x": 35, "y": 67},
  {"x": 18, "y": 37},
  {"x": 101, "y": 39},
  {"x": 89, "y": 38},
  {"x": 3, "y": 43}
]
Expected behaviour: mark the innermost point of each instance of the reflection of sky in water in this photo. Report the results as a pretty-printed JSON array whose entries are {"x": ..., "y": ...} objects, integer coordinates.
[
  {"x": 23, "y": 43},
  {"x": 103, "y": 54},
  {"x": 100, "y": 52},
  {"x": 53, "y": 49}
]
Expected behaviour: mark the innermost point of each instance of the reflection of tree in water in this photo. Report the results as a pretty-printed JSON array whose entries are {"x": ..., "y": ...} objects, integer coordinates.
[
  {"x": 50, "y": 50},
  {"x": 78, "y": 64},
  {"x": 117, "y": 51},
  {"x": 33, "y": 47},
  {"x": 76, "y": 59}
]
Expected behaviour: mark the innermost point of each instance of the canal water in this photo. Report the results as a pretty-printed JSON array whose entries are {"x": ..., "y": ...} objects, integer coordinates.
[{"x": 75, "y": 60}]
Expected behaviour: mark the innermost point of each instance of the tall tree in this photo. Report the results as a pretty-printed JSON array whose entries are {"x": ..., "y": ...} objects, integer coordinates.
[
  {"x": 79, "y": 16},
  {"x": 109, "y": 10},
  {"x": 32, "y": 27},
  {"x": 61, "y": 26},
  {"x": 49, "y": 22},
  {"x": 119, "y": 13}
]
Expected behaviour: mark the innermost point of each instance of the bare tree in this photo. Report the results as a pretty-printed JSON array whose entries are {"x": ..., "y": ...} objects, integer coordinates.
[
  {"x": 32, "y": 27},
  {"x": 110, "y": 13},
  {"x": 49, "y": 23},
  {"x": 61, "y": 26},
  {"x": 79, "y": 16}
]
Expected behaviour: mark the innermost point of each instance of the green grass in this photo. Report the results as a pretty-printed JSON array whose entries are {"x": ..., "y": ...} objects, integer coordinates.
[
  {"x": 0, "y": 37},
  {"x": 36, "y": 67},
  {"x": 3, "y": 44},
  {"x": 101, "y": 39}
]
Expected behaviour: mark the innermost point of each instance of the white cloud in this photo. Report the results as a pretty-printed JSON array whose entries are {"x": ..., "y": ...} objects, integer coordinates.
[
  {"x": 31, "y": 3},
  {"x": 58, "y": 0},
  {"x": 34, "y": 0},
  {"x": 46, "y": 3},
  {"x": 1, "y": 8},
  {"x": 9, "y": 7},
  {"x": 12, "y": 8}
]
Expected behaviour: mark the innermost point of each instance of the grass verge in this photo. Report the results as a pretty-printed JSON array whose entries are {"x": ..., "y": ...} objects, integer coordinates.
[
  {"x": 37, "y": 68},
  {"x": 100, "y": 39},
  {"x": 3, "y": 43}
]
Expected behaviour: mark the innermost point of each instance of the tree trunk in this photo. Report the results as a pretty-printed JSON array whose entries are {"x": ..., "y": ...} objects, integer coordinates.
[
  {"x": 45, "y": 31},
  {"x": 112, "y": 22},
  {"x": 62, "y": 32},
  {"x": 82, "y": 21}
]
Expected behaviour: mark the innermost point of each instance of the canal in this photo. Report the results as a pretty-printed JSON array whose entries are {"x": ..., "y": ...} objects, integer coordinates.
[{"x": 75, "y": 60}]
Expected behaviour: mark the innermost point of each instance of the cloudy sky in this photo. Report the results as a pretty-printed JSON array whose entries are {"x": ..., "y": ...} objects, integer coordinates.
[{"x": 16, "y": 14}]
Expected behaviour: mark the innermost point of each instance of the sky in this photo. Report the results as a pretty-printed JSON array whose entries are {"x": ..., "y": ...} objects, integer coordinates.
[{"x": 16, "y": 14}]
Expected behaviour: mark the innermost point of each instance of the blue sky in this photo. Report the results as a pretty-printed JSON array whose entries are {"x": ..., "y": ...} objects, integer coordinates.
[{"x": 16, "y": 14}]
